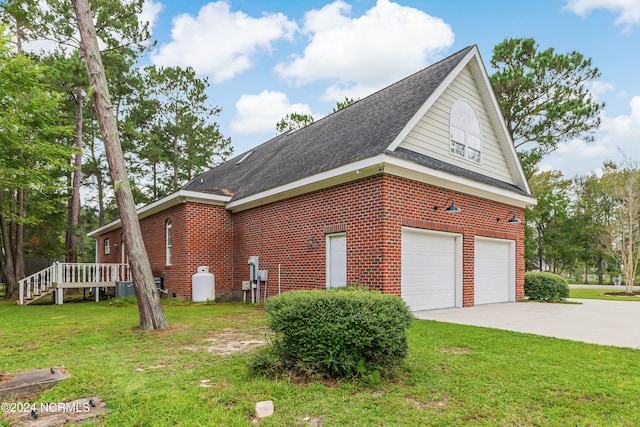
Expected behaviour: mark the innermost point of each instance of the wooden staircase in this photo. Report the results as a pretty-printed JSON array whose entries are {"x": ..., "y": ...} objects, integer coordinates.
[
  {"x": 63, "y": 275},
  {"x": 35, "y": 297}
]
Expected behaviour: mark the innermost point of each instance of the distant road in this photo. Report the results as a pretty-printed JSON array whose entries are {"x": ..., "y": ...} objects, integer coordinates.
[{"x": 611, "y": 287}]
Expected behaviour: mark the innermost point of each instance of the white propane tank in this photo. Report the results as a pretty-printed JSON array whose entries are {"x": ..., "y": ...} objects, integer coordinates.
[{"x": 203, "y": 285}]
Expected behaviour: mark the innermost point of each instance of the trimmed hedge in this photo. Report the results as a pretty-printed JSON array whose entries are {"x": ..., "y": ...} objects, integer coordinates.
[
  {"x": 335, "y": 333},
  {"x": 542, "y": 286}
]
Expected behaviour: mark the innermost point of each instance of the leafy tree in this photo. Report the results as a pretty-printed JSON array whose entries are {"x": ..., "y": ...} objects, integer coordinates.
[
  {"x": 543, "y": 97},
  {"x": 549, "y": 242},
  {"x": 32, "y": 160},
  {"x": 149, "y": 308},
  {"x": 345, "y": 103},
  {"x": 64, "y": 72},
  {"x": 293, "y": 121},
  {"x": 171, "y": 129},
  {"x": 592, "y": 212},
  {"x": 124, "y": 38},
  {"x": 622, "y": 236}
]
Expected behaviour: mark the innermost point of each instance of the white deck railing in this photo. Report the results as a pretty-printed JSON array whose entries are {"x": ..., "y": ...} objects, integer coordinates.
[{"x": 71, "y": 275}]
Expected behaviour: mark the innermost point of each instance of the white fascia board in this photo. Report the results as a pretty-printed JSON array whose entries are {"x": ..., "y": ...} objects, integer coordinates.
[
  {"x": 346, "y": 173},
  {"x": 411, "y": 170},
  {"x": 498, "y": 120},
  {"x": 180, "y": 196},
  {"x": 377, "y": 164},
  {"x": 480, "y": 72}
]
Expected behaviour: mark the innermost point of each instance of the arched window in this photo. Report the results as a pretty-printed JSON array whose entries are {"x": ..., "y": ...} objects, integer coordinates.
[
  {"x": 168, "y": 230},
  {"x": 466, "y": 140}
]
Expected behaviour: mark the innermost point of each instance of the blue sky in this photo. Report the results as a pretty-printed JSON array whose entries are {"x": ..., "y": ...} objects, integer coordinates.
[{"x": 264, "y": 59}]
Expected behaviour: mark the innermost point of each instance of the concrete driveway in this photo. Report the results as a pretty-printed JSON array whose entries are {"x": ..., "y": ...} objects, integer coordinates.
[{"x": 613, "y": 323}]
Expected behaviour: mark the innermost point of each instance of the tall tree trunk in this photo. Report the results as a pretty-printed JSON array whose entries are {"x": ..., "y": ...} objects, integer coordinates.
[
  {"x": 150, "y": 310},
  {"x": 74, "y": 202},
  {"x": 101, "y": 213},
  {"x": 22, "y": 214},
  {"x": 155, "y": 180},
  {"x": 99, "y": 181},
  {"x": 8, "y": 267},
  {"x": 586, "y": 273},
  {"x": 176, "y": 155},
  {"x": 600, "y": 274},
  {"x": 83, "y": 255}
]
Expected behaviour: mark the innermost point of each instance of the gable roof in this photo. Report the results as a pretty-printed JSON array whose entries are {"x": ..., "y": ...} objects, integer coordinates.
[{"x": 368, "y": 128}]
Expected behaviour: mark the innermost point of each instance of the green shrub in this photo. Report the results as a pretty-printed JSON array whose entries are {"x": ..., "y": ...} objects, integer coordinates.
[
  {"x": 336, "y": 333},
  {"x": 545, "y": 287}
]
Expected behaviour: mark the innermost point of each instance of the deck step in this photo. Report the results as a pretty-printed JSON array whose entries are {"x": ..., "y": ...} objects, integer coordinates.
[{"x": 34, "y": 298}]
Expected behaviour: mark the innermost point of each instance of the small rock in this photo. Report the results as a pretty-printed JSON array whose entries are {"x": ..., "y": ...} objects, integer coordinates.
[{"x": 264, "y": 409}]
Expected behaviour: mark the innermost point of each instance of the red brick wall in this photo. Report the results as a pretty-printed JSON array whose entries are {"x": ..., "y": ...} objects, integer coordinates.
[
  {"x": 279, "y": 234},
  {"x": 371, "y": 211},
  {"x": 410, "y": 203},
  {"x": 201, "y": 236}
]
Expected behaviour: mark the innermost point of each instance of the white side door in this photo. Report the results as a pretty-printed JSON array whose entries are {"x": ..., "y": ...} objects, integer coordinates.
[{"x": 336, "y": 260}]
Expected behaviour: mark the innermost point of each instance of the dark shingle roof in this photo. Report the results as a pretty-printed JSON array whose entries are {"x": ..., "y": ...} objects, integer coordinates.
[
  {"x": 432, "y": 163},
  {"x": 360, "y": 131}
]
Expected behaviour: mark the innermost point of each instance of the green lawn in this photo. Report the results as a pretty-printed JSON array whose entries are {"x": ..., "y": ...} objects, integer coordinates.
[
  {"x": 455, "y": 375},
  {"x": 599, "y": 294}
]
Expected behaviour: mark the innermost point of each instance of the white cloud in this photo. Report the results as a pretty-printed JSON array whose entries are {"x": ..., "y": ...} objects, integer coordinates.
[
  {"x": 629, "y": 10},
  {"x": 219, "y": 42},
  {"x": 368, "y": 52},
  {"x": 260, "y": 113},
  {"x": 580, "y": 149},
  {"x": 150, "y": 12},
  {"x": 624, "y": 128},
  {"x": 619, "y": 134},
  {"x": 598, "y": 88}
]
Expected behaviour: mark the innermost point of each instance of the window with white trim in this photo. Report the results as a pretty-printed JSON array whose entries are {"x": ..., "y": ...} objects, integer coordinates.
[
  {"x": 168, "y": 231},
  {"x": 465, "y": 135},
  {"x": 107, "y": 246}
]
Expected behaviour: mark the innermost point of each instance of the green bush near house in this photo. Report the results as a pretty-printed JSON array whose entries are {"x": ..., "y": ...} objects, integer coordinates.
[
  {"x": 543, "y": 286},
  {"x": 336, "y": 333}
]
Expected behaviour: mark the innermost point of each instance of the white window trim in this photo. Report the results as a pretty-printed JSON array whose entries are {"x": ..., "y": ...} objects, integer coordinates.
[
  {"x": 107, "y": 246},
  {"x": 168, "y": 241}
]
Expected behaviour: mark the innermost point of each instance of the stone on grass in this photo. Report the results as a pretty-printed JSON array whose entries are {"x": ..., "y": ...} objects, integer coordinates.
[{"x": 264, "y": 409}]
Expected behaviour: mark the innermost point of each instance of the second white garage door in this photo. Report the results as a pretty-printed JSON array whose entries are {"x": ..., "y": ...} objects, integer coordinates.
[
  {"x": 494, "y": 271},
  {"x": 431, "y": 269}
]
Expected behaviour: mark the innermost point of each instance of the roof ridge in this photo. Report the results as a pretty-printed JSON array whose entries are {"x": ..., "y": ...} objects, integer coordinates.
[{"x": 363, "y": 130}]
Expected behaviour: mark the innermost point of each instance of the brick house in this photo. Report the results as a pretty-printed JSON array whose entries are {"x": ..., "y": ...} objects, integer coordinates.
[{"x": 415, "y": 190}]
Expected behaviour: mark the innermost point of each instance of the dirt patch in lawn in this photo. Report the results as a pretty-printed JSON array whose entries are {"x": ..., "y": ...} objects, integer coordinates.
[
  {"x": 432, "y": 405},
  {"x": 456, "y": 350},
  {"x": 231, "y": 341}
]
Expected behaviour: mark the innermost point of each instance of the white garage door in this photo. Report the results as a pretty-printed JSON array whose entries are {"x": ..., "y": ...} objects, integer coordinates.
[
  {"x": 430, "y": 266},
  {"x": 494, "y": 271}
]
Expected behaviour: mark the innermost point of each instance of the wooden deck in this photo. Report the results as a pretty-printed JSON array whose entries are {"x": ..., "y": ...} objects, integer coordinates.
[{"x": 60, "y": 276}]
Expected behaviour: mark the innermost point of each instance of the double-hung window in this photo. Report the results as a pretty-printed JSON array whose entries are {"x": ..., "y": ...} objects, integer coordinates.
[{"x": 168, "y": 231}]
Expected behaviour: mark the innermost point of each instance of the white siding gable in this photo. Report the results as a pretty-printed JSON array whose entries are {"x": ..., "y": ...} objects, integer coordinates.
[{"x": 430, "y": 135}]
